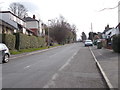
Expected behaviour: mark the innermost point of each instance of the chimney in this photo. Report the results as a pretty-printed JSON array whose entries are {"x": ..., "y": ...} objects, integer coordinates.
[{"x": 33, "y": 16}]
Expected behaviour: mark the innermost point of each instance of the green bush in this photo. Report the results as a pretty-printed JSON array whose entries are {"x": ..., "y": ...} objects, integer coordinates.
[
  {"x": 116, "y": 43},
  {"x": 25, "y": 41},
  {"x": 9, "y": 40},
  {"x": 33, "y": 42},
  {"x": 41, "y": 41}
]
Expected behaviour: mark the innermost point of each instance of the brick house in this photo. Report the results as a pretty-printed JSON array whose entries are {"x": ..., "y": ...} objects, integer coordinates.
[{"x": 35, "y": 25}]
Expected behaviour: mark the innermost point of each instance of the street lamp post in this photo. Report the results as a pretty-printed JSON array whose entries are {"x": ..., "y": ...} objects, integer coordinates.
[{"x": 48, "y": 35}]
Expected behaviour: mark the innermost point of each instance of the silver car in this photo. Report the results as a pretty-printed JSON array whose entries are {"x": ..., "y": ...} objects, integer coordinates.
[
  {"x": 4, "y": 53},
  {"x": 88, "y": 43}
]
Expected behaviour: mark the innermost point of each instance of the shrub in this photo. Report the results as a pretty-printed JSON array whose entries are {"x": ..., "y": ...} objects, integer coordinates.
[
  {"x": 33, "y": 42},
  {"x": 9, "y": 40},
  {"x": 104, "y": 43},
  {"x": 116, "y": 43},
  {"x": 25, "y": 41},
  {"x": 41, "y": 41}
]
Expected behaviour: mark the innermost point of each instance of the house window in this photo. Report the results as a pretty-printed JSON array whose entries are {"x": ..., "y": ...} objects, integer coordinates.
[
  {"x": 11, "y": 17},
  {"x": 42, "y": 31},
  {"x": 3, "y": 29},
  {"x": 7, "y": 31}
]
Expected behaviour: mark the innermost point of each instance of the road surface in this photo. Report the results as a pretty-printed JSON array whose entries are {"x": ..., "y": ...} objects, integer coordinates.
[{"x": 69, "y": 66}]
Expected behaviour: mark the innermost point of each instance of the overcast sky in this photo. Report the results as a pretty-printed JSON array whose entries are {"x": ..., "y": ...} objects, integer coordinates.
[{"x": 79, "y": 12}]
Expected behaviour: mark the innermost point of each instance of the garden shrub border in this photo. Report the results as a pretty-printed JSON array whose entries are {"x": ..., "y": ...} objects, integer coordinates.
[
  {"x": 116, "y": 43},
  {"x": 9, "y": 40},
  {"x": 21, "y": 41}
]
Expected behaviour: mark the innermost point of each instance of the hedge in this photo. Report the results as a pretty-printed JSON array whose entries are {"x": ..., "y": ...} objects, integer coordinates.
[
  {"x": 116, "y": 43},
  {"x": 41, "y": 41},
  {"x": 25, "y": 41},
  {"x": 33, "y": 42},
  {"x": 21, "y": 41},
  {"x": 9, "y": 40}
]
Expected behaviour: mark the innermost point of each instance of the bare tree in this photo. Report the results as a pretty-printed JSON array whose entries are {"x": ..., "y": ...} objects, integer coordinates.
[
  {"x": 84, "y": 37},
  {"x": 18, "y": 9},
  {"x": 61, "y": 31}
]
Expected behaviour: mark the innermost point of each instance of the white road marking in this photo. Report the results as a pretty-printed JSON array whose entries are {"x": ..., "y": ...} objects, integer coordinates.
[
  {"x": 51, "y": 82},
  {"x": 26, "y": 67},
  {"x": 68, "y": 62},
  {"x": 55, "y": 76}
]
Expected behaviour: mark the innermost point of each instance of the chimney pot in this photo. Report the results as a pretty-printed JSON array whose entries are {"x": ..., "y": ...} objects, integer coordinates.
[{"x": 33, "y": 16}]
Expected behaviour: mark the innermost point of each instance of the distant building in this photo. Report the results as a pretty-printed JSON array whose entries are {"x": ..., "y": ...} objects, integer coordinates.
[
  {"x": 111, "y": 32},
  {"x": 107, "y": 29},
  {"x": 35, "y": 25},
  {"x": 10, "y": 23}
]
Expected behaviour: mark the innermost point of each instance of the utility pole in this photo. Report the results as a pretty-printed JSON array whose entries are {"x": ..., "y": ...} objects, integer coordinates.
[
  {"x": 118, "y": 12},
  {"x": 48, "y": 34},
  {"x": 92, "y": 31}
]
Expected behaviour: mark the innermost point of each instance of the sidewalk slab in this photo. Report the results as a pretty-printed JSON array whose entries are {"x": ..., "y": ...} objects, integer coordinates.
[{"x": 109, "y": 63}]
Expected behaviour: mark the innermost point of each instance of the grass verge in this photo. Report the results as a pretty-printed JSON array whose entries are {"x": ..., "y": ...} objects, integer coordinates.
[{"x": 14, "y": 52}]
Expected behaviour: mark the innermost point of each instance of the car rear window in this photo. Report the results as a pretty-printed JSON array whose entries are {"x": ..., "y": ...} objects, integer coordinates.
[{"x": 88, "y": 41}]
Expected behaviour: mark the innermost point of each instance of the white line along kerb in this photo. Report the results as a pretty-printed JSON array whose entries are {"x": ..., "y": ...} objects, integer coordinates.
[{"x": 102, "y": 72}]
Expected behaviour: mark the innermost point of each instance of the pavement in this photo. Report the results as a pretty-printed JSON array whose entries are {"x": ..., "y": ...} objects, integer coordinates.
[{"x": 108, "y": 61}]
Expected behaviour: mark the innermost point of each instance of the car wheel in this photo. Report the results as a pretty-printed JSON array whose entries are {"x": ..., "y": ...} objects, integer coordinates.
[{"x": 6, "y": 58}]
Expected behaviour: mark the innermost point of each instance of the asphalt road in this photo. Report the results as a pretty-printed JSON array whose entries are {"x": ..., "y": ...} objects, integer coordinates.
[{"x": 69, "y": 66}]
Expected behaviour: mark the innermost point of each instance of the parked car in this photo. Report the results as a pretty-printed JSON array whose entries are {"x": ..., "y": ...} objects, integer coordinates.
[
  {"x": 88, "y": 43},
  {"x": 4, "y": 53}
]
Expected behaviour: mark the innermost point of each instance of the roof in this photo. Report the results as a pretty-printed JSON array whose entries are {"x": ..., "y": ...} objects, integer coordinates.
[
  {"x": 11, "y": 13},
  {"x": 106, "y": 30},
  {"x": 118, "y": 25},
  {"x": 29, "y": 19},
  {"x": 29, "y": 30}
]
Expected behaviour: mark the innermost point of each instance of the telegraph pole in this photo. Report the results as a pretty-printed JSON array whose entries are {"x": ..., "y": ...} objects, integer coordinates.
[{"x": 92, "y": 31}]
